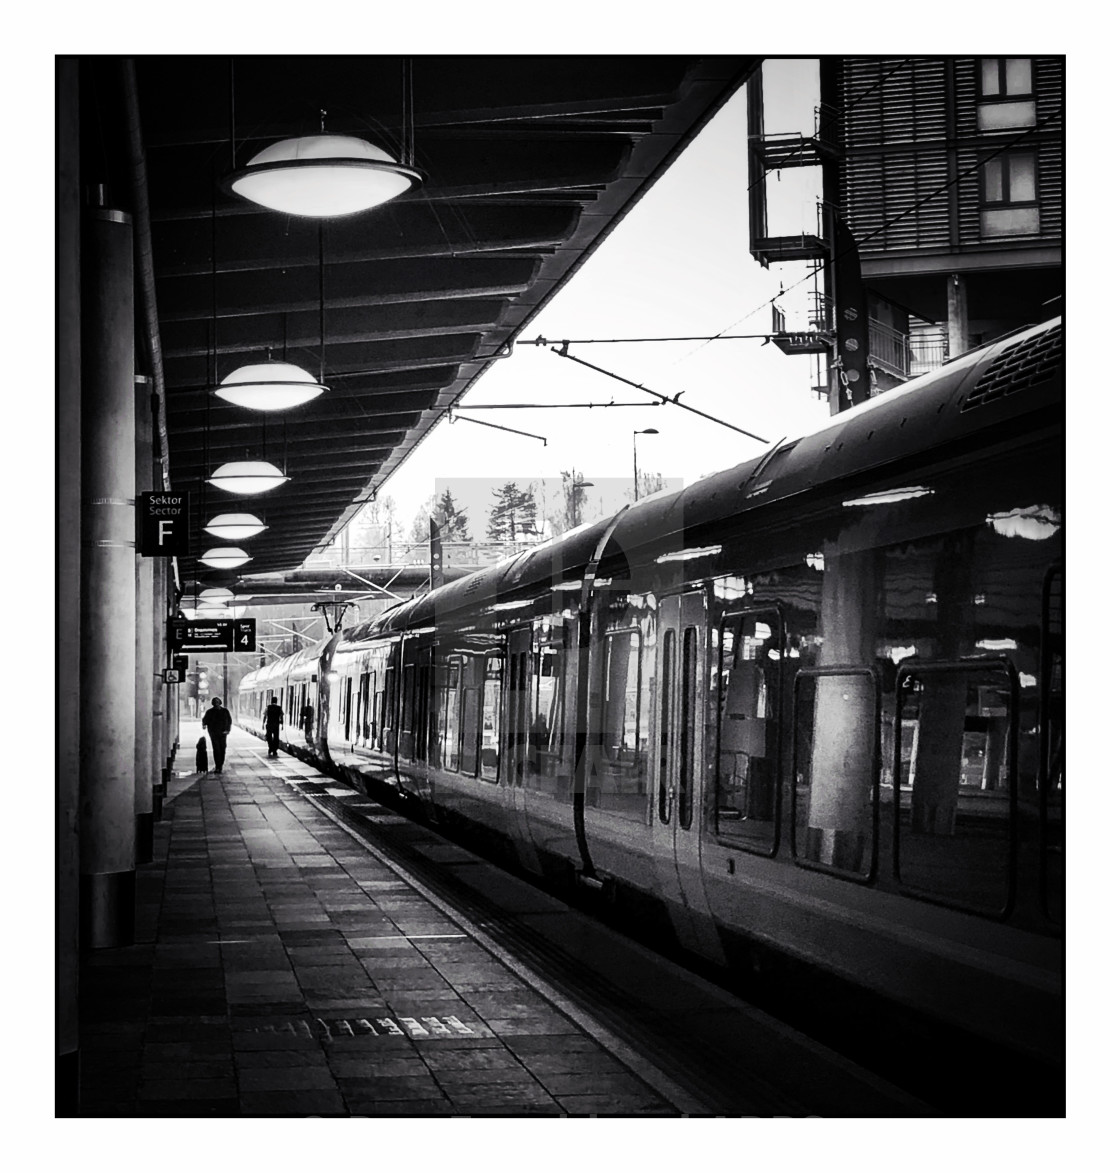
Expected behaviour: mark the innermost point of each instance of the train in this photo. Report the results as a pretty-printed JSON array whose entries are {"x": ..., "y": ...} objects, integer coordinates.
[{"x": 802, "y": 719}]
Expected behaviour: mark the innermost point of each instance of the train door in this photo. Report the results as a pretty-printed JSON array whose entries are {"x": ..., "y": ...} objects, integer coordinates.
[
  {"x": 679, "y": 767},
  {"x": 519, "y": 669}
]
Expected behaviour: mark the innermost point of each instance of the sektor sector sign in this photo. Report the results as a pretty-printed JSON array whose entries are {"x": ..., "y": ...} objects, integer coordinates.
[{"x": 162, "y": 524}]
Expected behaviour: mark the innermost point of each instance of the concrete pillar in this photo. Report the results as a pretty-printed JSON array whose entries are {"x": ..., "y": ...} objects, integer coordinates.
[
  {"x": 69, "y": 573},
  {"x": 844, "y": 720},
  {"x": 145, "y": 624},
  {"x": 160, "y": 691},
  {"x": 936, "y": 761},
  {"x": 108, "y": 595},
  {"x": 957, "y": 314}
]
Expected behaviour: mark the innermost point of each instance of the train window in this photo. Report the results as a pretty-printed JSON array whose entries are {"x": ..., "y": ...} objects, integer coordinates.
[
  {"x": 363, "y": 708},
  {"x": 748, "y": 809},
  {"x": 387, "y": 742},
  {"x": 468, "y": 759},
  {"x": 544, "y": 748},
  {"x": 346, "y": 710},
  {"x": 408, "y": 713},
  {"x": 618, "y": 781},
  {"x": 421, "y": 700},
  {"x": 953, "y": 792},
  {"x": 491, "y": 719},
  {"x": 518, "y": 714},
  {"x": 447, "y": 714},
  {"x": 687, "y": 764},
  {"x": 668, "y": 668},
  {"x": 621, "y": 696},
  {"x": 836, "y": 769}
]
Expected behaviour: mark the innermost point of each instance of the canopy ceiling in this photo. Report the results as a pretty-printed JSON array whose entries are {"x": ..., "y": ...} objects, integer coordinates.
[{"x": 528, "y": 164}]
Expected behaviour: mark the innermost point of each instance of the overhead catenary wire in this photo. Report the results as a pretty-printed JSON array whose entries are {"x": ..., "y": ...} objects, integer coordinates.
[{"x": 657, "y": 395}]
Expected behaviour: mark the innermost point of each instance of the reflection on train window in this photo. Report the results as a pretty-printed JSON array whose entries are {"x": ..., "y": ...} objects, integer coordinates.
[
  {"x": 688, "y": 767},
  {"x": 518, "y": 708},
  {"x": 388, "y": 710},
  {"x": 544, "y": 748},
  {"x": 668, "y": 667},
  {"x": 491, "y": 718},
  {"x": 363, "y": 707},
  {"x": 749, "y": 800},
  {"x": 618, "y": 781},
  {"x": 447, "y": 716},
  {"x": 407, "y": 741},
  {"x": 471, "y": 730},
  {"x": 953, "y": 795},
  {"x": 836, "y": 768},
  {"x": 621, "y": 673}
]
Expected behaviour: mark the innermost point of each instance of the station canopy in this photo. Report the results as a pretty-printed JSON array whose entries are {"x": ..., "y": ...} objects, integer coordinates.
[{"x": 526, "y": 162}]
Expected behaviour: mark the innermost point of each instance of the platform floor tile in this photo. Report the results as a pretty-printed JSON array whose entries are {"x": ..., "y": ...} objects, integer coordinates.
[{"x": 281, "y": 969}]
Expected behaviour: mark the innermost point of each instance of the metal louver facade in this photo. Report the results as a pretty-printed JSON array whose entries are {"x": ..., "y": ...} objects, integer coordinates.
[{"x": 913, "y": 152}]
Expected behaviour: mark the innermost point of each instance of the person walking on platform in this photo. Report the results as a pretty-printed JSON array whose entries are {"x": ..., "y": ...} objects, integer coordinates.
[
  {"x": 306, "y": 721},
  {"x": 217, "y": 722},
  {"x": 273, "y": 719}
]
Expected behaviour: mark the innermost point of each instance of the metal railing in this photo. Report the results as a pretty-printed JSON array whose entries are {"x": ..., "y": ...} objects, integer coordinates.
[
  {"x": 416, "y": 554},
  {"x": 927, "y": 352},
  {"x": 889, "y": 349}
]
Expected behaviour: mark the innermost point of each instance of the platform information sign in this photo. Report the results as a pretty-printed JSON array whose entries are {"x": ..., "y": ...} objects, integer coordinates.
[
  {"x": 162, "y": 522},
  {"x": 216, "y": 635}
]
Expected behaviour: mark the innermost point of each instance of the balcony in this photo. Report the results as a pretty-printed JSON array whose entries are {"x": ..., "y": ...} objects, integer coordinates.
[
  {"x": 795, "y": 149},
  {"x": 905, "y": 356}
]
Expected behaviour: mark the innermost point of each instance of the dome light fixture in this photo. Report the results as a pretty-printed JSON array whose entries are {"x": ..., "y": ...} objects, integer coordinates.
[
  {"x": 235, "y": 527},
  {"x": 321, "y": 175},
  {"x": 215, "y": 611},
  {"x": 247, "y": 477},
  {"x": 225, "y": 557},
  {"x": 214, "y": 597},
  {"x": 269, "y": 386}
]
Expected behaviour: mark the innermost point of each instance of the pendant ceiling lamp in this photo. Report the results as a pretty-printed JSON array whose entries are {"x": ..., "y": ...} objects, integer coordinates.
[
  {"x": 225, "y": 557},
  {"x": 247, "y": 477},
  {"x": 215, "y": 611},
  {"x": 322, "y": 175},
  {"x": 214, "y": 597},
  {"x": 234, "y": 527},
  {"x": 269, "y": 386}
]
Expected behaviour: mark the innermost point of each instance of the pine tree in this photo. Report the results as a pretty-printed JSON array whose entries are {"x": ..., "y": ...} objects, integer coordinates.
[
  {"x": 513, "y": 516},
  {"x": 451, "y": 520},
  {"x": 445, "y": 512}
]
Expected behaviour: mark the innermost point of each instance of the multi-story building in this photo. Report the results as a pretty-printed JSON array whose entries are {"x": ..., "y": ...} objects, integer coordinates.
[{"x": 939, "y": 222}]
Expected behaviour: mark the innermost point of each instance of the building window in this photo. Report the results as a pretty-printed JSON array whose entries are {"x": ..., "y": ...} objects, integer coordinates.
[
  {"x": 1009, "y": 195},
  {"x": 1006, "y": 93},
  {"x": 1005, "y": 77}
]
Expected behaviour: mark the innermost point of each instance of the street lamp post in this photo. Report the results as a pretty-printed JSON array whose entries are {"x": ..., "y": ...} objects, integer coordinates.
[{"x": 637, "y": 433}]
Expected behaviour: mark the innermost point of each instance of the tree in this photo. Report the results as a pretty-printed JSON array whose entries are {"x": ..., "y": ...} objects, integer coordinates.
[
  {"x": 513, "y": 516},
  {"x": 573, "y": 494},
  {"x": 445, "y": 512},
  {"x": 649, "y": 482},
  {"x": 375, "y": 526}
]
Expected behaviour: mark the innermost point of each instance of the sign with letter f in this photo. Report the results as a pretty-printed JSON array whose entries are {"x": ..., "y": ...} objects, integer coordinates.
[{"x": 162, "y": 522}]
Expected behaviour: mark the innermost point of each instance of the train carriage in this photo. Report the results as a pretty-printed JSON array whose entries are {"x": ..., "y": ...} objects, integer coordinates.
[{"x": 802, "y": 716}]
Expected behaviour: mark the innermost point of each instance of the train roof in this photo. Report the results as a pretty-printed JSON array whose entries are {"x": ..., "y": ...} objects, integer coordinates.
[
  {"x": 280, "y": 669},
  {"x": 964, "y": 399},
  {"x": 958, "y": 403}
]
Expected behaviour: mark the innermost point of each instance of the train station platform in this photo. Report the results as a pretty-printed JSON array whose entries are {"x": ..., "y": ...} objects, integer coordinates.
[{"x": 285, "y": 964}]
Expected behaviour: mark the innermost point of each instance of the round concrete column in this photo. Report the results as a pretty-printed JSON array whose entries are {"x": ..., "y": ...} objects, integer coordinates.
[
  {"x": 107, "y": 783},
  {"x": 145, "y": 637},
  {"x": 163, "y": 694}
]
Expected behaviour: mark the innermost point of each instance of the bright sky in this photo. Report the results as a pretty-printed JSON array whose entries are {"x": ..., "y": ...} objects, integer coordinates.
[{"x": 678, "y": 264}]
